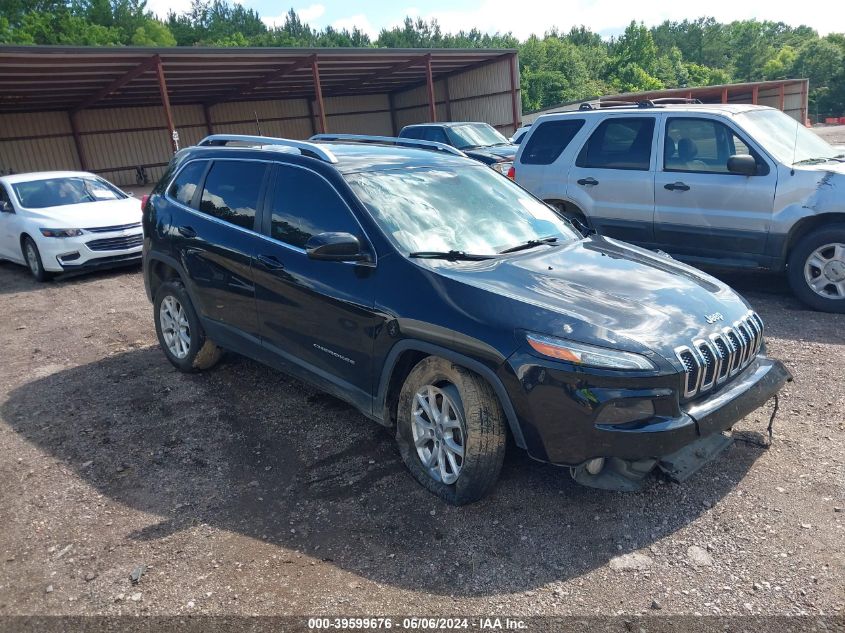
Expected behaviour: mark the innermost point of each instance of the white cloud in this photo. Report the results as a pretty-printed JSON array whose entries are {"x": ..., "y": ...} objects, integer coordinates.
[
  {"x": 311, "y": 12},
  {"x": 361, "y": 21},
  {"x": 612, "y": 16},
  {"x": 162, "y": 7},
  {"x": 307, "y": 14}
]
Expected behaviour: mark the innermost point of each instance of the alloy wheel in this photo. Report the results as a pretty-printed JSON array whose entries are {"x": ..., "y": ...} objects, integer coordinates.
[
  {"x": 824, "y": 271},
  {"x": 32, "y": 257},
  {"x": 175, "y": 327},
  {"x": 438, "y": 429}
]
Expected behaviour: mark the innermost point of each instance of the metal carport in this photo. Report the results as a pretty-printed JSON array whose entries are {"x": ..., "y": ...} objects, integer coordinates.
[{"x": 115, "y": 110}]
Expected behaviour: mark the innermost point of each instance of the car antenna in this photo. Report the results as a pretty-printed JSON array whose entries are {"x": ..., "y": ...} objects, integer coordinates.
[{"x": 257, "y": 123}]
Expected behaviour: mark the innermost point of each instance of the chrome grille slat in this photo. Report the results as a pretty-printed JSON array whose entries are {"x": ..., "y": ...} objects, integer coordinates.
[
  {"x": 110, "y": 229},
  {"x": 711, "y": 362}
]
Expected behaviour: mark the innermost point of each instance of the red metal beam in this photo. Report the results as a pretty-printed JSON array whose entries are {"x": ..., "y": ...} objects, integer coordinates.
[
  {"x": 724, "y": 95},
  {"x": 514, "y": 103},
  {"x": 118, "y": 83},
  {"x": 429, "y": 80},
  {"x": 165, "y": 101},
  {"x": 77, "y": 141},
  {"x": 755, "y": 94},
  {"x": 318, "y": 94},
  {"x": 266, "y": 79}
]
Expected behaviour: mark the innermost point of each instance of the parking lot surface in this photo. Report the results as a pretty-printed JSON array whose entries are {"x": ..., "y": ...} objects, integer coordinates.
[{"x": 242, "y": 491}]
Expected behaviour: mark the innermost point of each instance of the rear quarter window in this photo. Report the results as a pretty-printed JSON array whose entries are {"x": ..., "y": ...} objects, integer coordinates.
[
  {"x": 185, "y": 184},
  {"x": 549, "y": 140}
]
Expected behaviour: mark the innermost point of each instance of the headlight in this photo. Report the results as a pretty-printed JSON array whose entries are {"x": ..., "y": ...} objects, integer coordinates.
[
  {"x": 60, "y": 232},
  {"x": 586, "y": 355},
  {"x": 503, "y": 167}
]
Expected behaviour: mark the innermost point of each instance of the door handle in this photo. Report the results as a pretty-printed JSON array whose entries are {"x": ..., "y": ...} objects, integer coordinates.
[
  {"x": 186, "y": 231},
  {"x": 676, "y": 186},
  {"x": 588, "y": 181},
  {"x": 270, "y": 262}
]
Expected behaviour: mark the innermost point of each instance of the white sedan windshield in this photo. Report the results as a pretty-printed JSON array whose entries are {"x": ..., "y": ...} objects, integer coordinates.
[
  {"x": 57, "y": 192},
  {"x": 785, "y": 138},
  {"x": 469, "y": 209}
]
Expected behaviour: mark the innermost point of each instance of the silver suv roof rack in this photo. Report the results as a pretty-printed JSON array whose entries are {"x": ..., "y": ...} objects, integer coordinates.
[
  {"x": 307, "y": 149},
  {"x": 389, "y": 140}
]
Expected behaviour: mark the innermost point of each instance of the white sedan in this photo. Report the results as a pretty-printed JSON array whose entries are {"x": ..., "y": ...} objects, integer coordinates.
[{"x": 62, "y": 221}]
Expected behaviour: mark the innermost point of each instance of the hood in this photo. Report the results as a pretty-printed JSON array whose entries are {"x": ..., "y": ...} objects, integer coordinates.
[
  {"x": 605, "y": 292},
  {"x": 492, "y": 154},
  {"x": 88, "y": 214}
]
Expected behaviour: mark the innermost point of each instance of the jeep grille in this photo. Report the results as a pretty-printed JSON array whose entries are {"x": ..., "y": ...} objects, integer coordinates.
[{"x": 709, "y": 363}]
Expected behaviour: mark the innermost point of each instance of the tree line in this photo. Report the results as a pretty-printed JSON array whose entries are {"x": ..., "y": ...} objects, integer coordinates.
[{"x": 555, "y": 67}]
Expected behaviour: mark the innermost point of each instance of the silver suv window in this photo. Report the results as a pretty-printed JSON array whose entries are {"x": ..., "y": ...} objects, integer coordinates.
[
  {"x": 549, "y": 140},
  {"x": 700, "y": 145},
  {"x": 619, "y": 143}
]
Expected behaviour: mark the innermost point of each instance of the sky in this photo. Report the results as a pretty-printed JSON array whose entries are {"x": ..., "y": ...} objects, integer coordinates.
[{"x": 524, "y": 17}]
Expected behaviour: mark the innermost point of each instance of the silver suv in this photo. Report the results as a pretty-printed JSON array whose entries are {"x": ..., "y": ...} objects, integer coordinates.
[{"x": 727, "y": 186}]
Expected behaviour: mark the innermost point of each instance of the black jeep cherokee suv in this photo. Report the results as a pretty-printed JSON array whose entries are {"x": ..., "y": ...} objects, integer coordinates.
[{"x": 440, "y": 298}]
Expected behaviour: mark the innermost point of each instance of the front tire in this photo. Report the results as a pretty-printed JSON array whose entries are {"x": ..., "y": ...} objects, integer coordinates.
[
  {"x": 816, "y": 270},
  {"x": 180, "y": 332},
  {"x": 33, "y": 259},
  {"x": 451, "y": 430}
]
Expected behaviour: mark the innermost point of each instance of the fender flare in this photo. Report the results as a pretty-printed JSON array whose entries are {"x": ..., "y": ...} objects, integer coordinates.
[
  {"x": 465, "y": 361},
  {"x": 173, "y": 263}
]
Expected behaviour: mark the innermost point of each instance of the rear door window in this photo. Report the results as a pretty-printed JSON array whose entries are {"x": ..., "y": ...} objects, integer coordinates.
[
  {"x": 418, "y": 133},
  {"x": 232, "y": 190},
  {"x": 549, "y": 140},
  {"x": 619, "y": 143},
  {"x": 303, "y": 204},
  {"x": 185, "y": 184}
]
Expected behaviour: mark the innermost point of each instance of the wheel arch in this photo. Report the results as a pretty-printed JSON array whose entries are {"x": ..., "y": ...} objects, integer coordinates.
[
  {"x": 405, "y": 355},
  {"x": 807, "y": 225},
  {"x": 160, "y": 268}
]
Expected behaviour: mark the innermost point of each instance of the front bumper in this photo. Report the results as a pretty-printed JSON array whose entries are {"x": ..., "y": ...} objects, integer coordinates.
[
  {"x": 90, "y": 251},
  {"x": 559, "y": 421}
]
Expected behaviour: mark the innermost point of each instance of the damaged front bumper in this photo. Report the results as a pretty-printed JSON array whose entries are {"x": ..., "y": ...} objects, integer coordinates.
[{"x": 710, "y": 418}]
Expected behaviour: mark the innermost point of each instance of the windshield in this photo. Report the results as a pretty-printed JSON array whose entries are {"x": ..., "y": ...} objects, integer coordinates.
[
  {"x": 475, "y": 135},
  {"x": 57, "y": 192},
  {"x": 469, "y": 209},
  {"x": 784, "y": 137}
]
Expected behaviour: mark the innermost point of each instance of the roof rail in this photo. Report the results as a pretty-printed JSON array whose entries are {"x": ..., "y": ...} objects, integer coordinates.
[
  {"x": 644, "y": 103},
  {"x": 307, "y": 149},
  {"x": 389, "y": 140},
  {"x": 671, "y": 100}
]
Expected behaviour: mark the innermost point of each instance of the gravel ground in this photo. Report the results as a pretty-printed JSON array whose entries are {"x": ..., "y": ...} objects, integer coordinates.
[{"x": 241, "y": 491}]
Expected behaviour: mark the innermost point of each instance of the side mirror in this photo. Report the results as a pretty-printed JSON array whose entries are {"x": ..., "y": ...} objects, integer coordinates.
[
  {"x": 6, "y": 206},
  {"x": 742, "y": 164},
  {"x": 335, "y": 247}
]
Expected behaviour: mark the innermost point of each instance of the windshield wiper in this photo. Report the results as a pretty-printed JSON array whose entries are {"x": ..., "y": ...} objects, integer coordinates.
[
  {"x": 452, "y": 256},
  {"x": 529, "y": 244}
]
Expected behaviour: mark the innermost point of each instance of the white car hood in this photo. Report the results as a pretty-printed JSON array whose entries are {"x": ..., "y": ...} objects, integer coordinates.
[{"x": 89, "y": 214}]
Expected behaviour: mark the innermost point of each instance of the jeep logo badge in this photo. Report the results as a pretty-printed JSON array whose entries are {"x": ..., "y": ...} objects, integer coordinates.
[{"x": 713, "y": 318}]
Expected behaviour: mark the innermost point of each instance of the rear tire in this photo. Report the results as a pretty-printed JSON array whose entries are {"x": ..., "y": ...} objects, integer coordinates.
[
  {"x": 180, "y": 332},
  {"x": 32, "y": 256},
  {"x": 816, "y": 269},
  {"x": 458, "y": 454}
]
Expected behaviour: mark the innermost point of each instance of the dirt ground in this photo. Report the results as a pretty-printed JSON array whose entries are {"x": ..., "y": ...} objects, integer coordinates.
[{"x": 242, "y": 491}]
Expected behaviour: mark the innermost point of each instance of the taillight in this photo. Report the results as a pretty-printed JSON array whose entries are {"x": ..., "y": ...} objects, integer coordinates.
[
  {"x": 144, "y": 199},
  {"x": 512, "y": 173}
]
